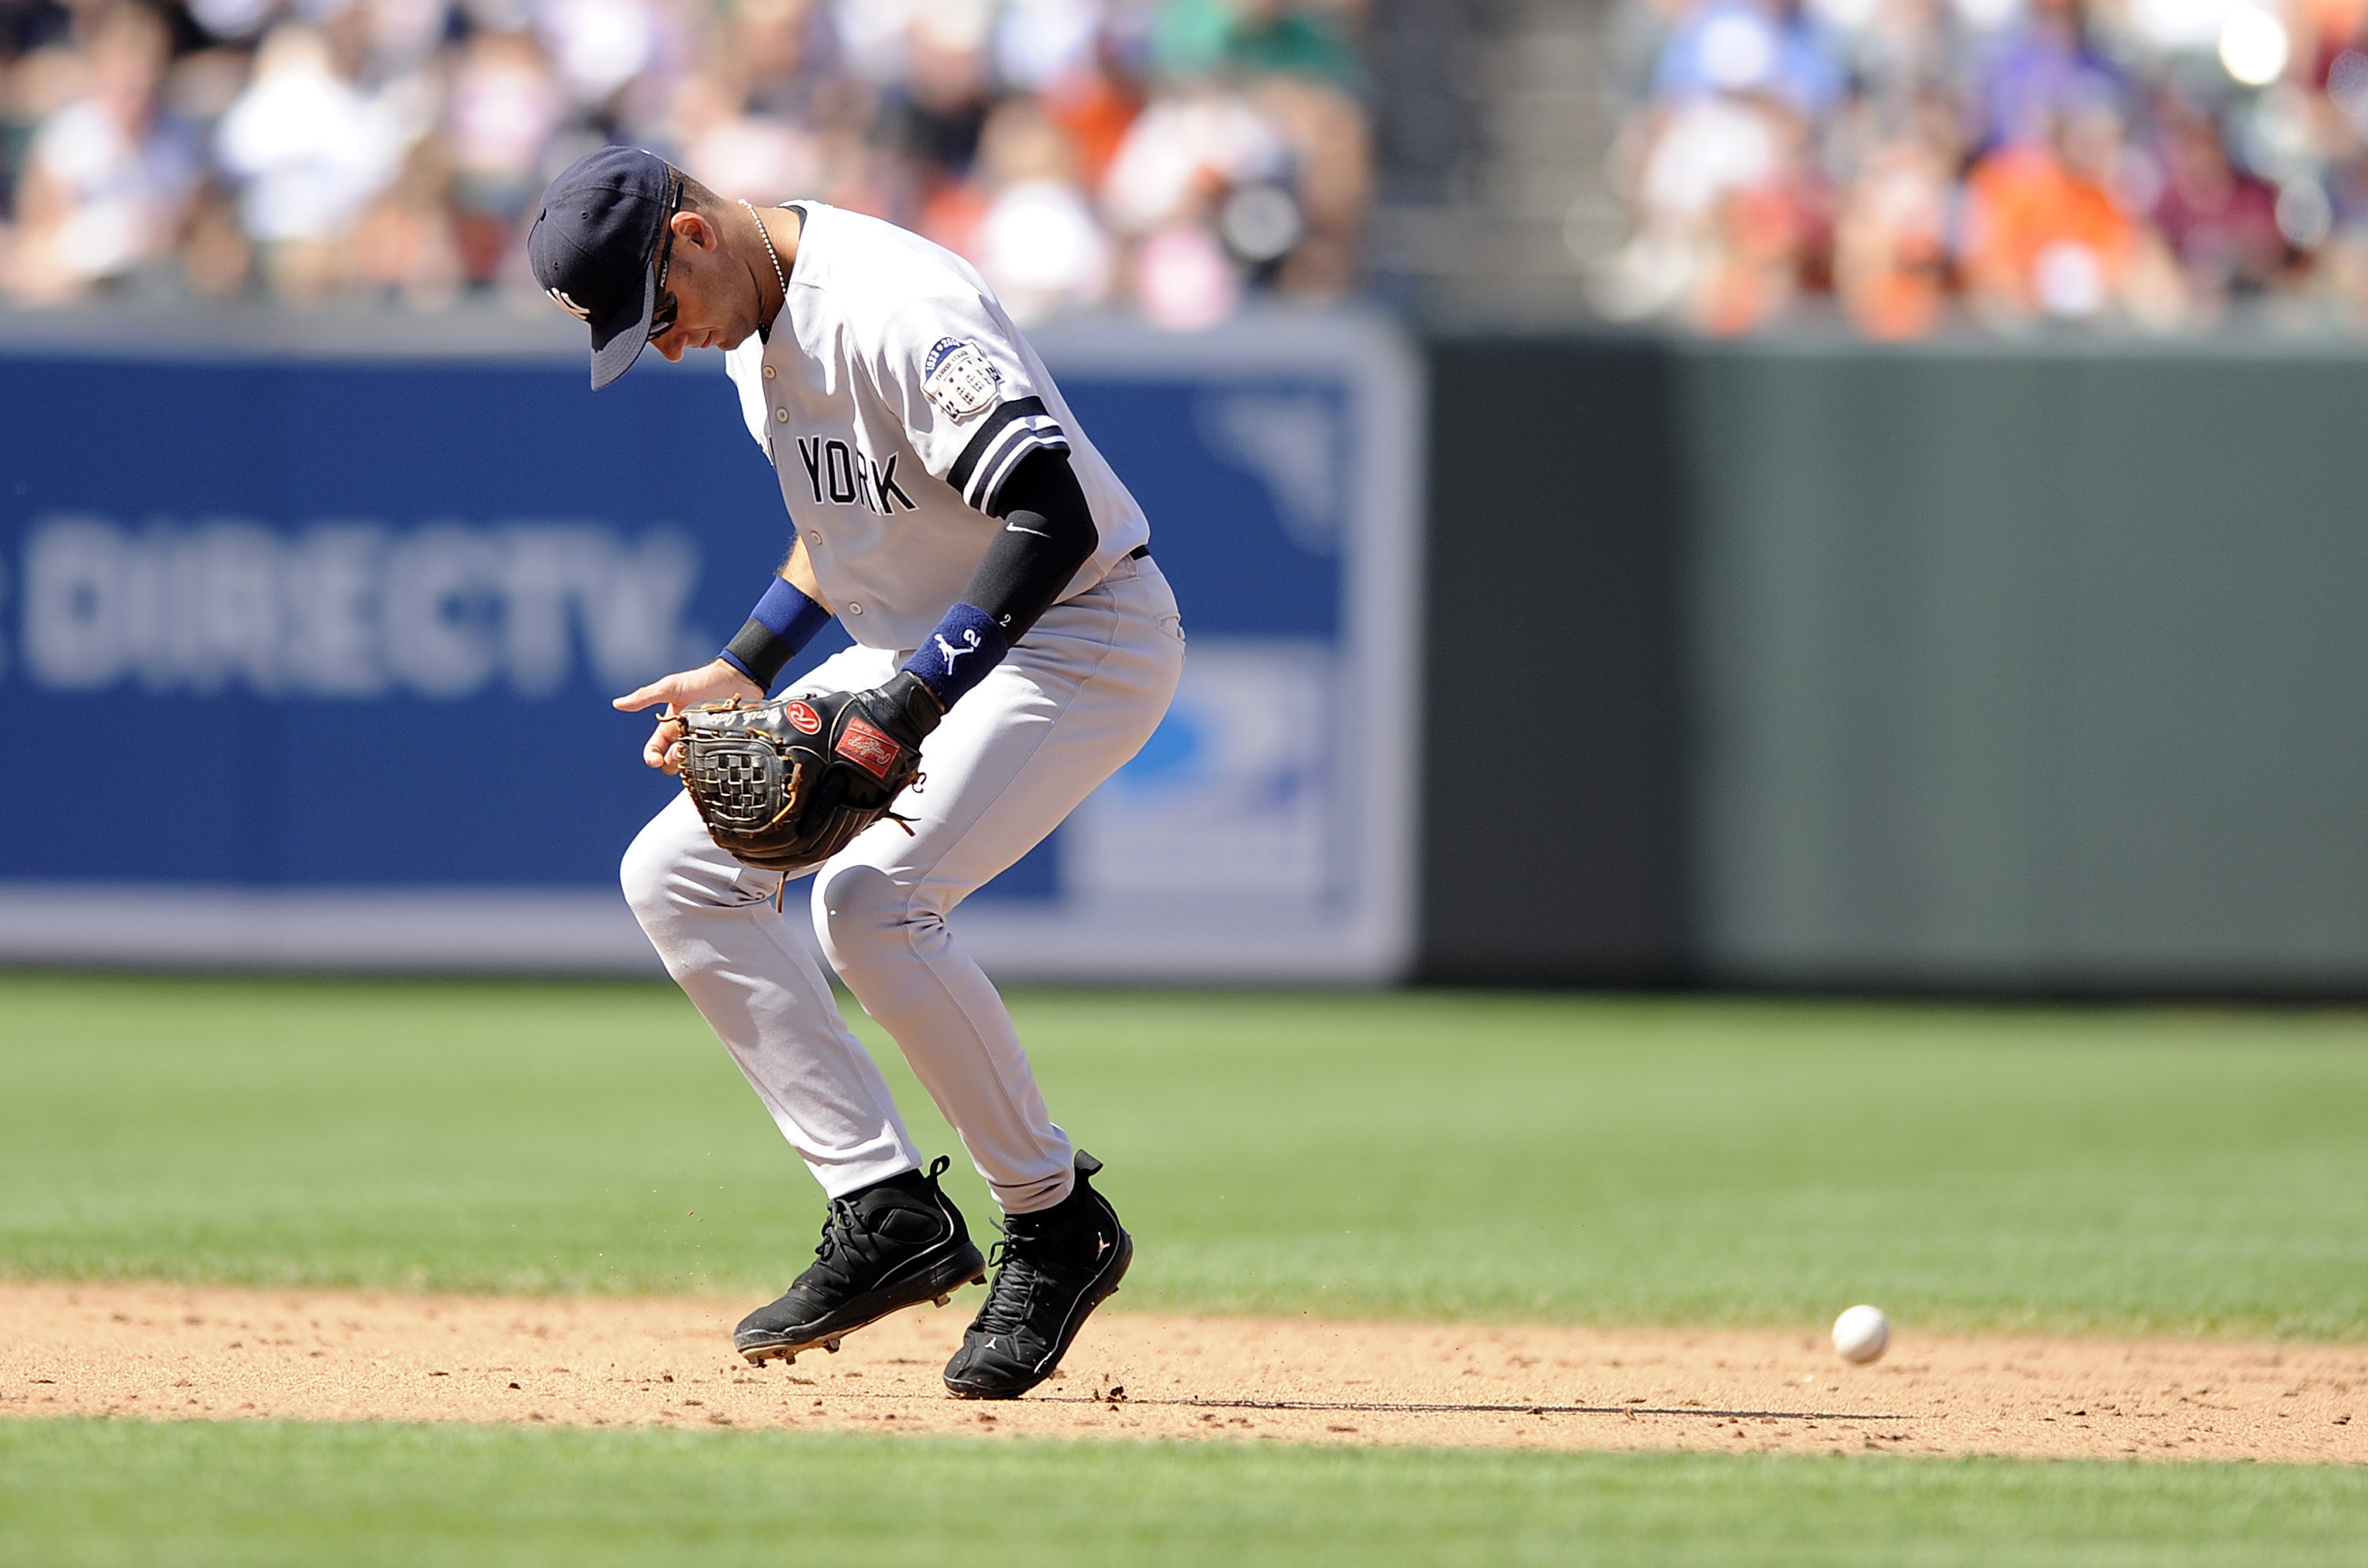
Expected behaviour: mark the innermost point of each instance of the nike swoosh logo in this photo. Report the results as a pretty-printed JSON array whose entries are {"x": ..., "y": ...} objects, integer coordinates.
[{"x": 1016, "y": 528}]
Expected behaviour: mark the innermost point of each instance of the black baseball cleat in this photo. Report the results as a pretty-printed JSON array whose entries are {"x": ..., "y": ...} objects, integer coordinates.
[
  {"x": 1052, "y": 1268},
  {"x": 893, "y": 1244}
]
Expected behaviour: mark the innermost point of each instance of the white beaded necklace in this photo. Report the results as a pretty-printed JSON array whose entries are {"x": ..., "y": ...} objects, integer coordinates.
[{"x": 774, "y": 256}]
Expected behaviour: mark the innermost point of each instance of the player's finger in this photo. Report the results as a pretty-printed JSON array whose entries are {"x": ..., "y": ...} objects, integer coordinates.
[
  {"x": 664, "y": 742},
  {"x": 644, "y": 697}
]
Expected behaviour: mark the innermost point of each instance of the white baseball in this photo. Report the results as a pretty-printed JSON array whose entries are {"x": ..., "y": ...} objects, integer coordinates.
[{"x": 1861, "y": 1334}]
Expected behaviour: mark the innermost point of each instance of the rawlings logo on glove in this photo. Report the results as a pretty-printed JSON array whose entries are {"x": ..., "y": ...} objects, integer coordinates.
[
  {"x": 785, "y": 785},
  {"x": 860, "y": 743}
]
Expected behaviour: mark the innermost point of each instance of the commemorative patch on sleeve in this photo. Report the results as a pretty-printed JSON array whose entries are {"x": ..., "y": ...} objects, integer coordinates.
[{"x": 959, "y": 378}]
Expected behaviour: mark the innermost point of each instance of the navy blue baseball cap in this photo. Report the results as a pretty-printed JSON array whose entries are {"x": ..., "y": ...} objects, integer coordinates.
[{"x": 593, "y": 245}]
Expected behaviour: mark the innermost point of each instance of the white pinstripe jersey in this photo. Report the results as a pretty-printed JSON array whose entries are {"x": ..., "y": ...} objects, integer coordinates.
[{"x": 895, "y": 399}]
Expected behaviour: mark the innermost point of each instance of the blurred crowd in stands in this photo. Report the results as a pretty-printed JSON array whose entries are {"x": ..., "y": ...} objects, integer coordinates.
[
  {"x": 1171, "y": 154},
  {"x": 2137, "y": 165}
]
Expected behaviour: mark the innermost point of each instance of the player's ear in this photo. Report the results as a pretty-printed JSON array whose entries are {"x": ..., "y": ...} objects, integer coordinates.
[{"x": 694, "y": 229}]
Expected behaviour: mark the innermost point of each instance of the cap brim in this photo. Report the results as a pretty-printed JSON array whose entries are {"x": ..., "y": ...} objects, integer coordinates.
[{"x": 617, "y": 341}]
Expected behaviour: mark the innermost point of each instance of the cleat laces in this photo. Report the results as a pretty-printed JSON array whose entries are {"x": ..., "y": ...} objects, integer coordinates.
[
  {"x": 837, "y": 1254},
  {"x": 1028, "y": 1263},
  {"x": 1017, "y": 1275}
]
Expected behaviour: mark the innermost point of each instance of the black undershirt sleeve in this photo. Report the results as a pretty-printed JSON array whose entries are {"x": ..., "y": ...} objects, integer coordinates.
[{"x": 1048, "y": 532}]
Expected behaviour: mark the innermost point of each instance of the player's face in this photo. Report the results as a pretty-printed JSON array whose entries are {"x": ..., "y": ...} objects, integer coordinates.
[{"x": 713, "y": 303}]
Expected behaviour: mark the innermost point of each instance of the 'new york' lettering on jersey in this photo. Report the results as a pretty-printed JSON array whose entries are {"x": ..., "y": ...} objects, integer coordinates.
[
  {"x": 841, "y": 476},
  {"x": 895, "y": 400}
]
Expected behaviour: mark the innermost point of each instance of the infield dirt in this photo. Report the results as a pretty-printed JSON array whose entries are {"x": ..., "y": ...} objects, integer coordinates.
[{"x": 165, "y": 1352}]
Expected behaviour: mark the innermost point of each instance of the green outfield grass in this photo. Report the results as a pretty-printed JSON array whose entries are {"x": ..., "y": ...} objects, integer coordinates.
[
  {"x": 1424, "y": 1155},
  {"x": 84, "y": 1495}
]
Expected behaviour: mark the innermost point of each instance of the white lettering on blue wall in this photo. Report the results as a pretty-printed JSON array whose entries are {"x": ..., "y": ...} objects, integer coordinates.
[{"x": 351, "y": 609}]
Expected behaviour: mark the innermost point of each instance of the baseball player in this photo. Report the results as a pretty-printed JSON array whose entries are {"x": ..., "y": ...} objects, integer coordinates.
[{"x": 996, "y": 579}]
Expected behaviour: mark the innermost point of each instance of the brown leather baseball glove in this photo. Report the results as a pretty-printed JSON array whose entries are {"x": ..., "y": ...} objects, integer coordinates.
[{"x": 787, "y": 784}]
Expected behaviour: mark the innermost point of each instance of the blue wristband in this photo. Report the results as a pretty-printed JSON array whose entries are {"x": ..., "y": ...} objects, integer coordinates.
[
  {"x": 783, "y": 622},
  {"x": 956, "y": 655}
]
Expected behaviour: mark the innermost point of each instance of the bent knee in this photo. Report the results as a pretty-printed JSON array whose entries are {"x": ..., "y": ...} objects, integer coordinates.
[
  {"x": 861, "y": 909},
  {"x": 646, "y": 870},
  {"x": 673, "y": 866}
]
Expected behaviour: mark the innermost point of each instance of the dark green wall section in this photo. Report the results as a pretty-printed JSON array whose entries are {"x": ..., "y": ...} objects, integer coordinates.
[
  {"x": 1996, "y": 668},
  {"x": 1554, "y": 801},
  {"x": 2029, "y": 670}
]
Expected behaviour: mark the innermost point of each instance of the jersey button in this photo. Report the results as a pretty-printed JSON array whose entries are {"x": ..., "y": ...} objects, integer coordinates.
[
  {"x": 814, "y": 536},
  {"x": 855, "y": 609},
  {"x": 769, "y": 372},
  {"x": 781, "y": 417}
]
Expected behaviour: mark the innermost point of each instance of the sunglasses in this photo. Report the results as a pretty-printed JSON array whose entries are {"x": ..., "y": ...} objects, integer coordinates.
[{"x": 663, "y": 318}]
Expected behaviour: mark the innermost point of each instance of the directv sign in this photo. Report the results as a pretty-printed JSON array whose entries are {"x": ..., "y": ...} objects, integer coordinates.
[
  {"x": 309, "y": 655},
  {"x": 347, "y": 609}
]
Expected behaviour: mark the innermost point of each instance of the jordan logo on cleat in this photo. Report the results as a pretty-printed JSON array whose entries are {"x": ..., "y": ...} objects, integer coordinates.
[
  {"x": 1102, "y": 1245},
  {"x": 948, "y": 652}
]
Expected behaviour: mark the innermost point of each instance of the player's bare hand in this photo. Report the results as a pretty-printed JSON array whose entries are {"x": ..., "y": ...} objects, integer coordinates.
[{"x": 711, "y": 682}]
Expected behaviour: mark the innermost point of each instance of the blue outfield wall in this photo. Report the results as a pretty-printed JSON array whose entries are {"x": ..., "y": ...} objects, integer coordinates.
[
  {"x": 359, "y": 617},
  {"x": 309, "y": 655},
  {"x": 1980, "y": 668}
]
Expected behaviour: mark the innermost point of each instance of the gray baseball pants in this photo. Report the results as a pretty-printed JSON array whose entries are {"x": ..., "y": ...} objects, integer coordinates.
[{"x": 1067, "y": 707}]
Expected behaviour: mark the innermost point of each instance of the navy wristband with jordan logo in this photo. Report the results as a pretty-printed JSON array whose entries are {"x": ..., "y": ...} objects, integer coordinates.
[
  {"x": 956, "y": 655},
  {"x": 783, "y": 622}
]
